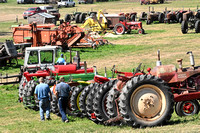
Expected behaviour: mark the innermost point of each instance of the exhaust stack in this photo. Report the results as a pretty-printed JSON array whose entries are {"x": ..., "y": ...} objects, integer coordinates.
[{"x": 191, "y": 58}]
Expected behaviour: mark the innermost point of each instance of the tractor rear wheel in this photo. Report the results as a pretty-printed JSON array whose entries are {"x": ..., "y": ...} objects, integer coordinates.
[
  {"x": 21, "y": 87},
  {"x": 184, "y": 27},
  {"x": 77, "y": 18},
  {"x": 132, "y": 17},
  {"x": 67, "y": 18},
  {"x": 119, "y": 29},
  {"x": 179, "y": 18},
  {"x": 197, "y": 26},
  {"x": 148, "y": 21},
  {"x": 146, "y": 101},
  {"x": 112, "y": 103},
  {"x": 161, "y": 18},
  {"x": 185, "y": 108},
  {"x": 83, "y": 99},
  {"x": 74, "y": 100},
  {"x": 32, "y": 103},
  {"x": 82, "y": 17},
  {"x": 89, "y": 102},
  {"x": 99, "y": 101},
  {"x": 54, "y": 105}
]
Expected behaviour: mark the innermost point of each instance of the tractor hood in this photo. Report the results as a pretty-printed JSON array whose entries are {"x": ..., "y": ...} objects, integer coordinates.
[{"x": 165, "y": 72}]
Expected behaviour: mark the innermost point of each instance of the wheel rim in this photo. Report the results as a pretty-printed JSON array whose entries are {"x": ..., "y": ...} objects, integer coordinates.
[
  {"x": 119, "y": 29},
  {"x": 188, "y": 108},
  {"x": 148, "y": 102},
  {"x": 77, "y": 101},
  {"x": 103, "y": 104}
]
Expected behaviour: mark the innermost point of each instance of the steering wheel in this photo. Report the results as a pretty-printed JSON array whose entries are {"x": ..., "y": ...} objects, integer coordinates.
[{"x": 137, "y": 69}]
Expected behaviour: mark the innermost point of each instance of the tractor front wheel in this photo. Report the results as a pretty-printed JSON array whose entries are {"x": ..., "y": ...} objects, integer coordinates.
[
  {"x": 67, "y": 18},
  {"x": 141, "y": 31},
  {"x": 146, "y": 101},
  {"x": 184, "y": 27},
  {"x": 119, "y": 29},
  {"x": 185, "y": 108}
]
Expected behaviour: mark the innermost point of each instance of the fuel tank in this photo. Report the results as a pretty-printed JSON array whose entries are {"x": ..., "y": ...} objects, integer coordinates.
[{"x": 165, "y": 72}]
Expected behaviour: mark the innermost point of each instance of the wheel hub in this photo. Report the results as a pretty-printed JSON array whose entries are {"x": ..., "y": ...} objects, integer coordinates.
[
  {"x": 149, "y": 105},
  {"x": 148, "y": 102}
]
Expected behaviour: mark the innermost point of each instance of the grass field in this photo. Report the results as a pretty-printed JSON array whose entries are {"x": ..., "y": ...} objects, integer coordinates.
[{"x": 128, "y": 51}]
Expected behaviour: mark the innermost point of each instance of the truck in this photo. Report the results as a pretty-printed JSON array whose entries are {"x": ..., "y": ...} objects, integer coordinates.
[
  {"x": 41, "y": 2},
  {"x": 25, "y": 1},
  {"x": 51, "y": 10},
  {"x": 66, "y": 3},
  {"x": 32, "y": 10}
]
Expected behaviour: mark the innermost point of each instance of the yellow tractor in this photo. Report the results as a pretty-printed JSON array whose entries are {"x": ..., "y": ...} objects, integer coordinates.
[{"x": 94, "y": 23}]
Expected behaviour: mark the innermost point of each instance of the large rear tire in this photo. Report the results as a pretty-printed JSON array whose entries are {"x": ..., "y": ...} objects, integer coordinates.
[
  {"x": 112, "y": 102},
  {"x": 89, "y": 102},
  {"x": 197, "y": 26},
  {"x": 21, "y": 87},
  {"x": 83, "y": 99},
  {"x": 77, "y": 18},
  {"x": 31, "y": 102},
  {"x": 67, "y": 18},
  {"x": 161, "y": 18},
  {"x": 74, "y": 100},
  {"x": 82, "y": 17},
  {"x": 185, "y": 108},
  {"x": 100, "y": 101},
  {"x": 184, "y": 27},
  {"x": 146, "y": 101}
]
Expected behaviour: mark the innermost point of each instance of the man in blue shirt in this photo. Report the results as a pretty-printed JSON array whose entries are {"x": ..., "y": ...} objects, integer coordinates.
[
  {"x": 61, "y": 60},
  {"x": 62, "y": 93},
  {"x": 42, "y": 92}
]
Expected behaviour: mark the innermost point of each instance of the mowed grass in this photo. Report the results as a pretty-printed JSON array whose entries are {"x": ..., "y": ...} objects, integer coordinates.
[
  {"x": 14, "y": 118},
  {"x": 127, "y": 52}
]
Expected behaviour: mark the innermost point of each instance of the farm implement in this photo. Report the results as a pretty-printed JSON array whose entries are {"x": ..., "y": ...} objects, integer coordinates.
[{"x": 65, "y": 35}]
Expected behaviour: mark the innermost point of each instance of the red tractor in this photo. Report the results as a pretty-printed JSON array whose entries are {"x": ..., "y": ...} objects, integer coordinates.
[{"x": 147, "y": 99}]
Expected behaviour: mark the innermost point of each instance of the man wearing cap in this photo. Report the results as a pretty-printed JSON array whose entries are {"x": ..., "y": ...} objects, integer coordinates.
[
  {"x": 61, "y": 60},
  {"x": 62, "y": 93},
  {"x": 43, "y": 94}
]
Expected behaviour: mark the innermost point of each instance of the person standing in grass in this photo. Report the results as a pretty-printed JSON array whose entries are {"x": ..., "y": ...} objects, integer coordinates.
[
  {"x": 43, "y": 94},
  {"x": 62, "y": 94}
]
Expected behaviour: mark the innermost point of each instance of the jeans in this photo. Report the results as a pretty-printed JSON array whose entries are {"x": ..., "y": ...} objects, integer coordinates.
[
  {"x": 44, "y": 105},
  {"x": 63, "y": 101}
]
